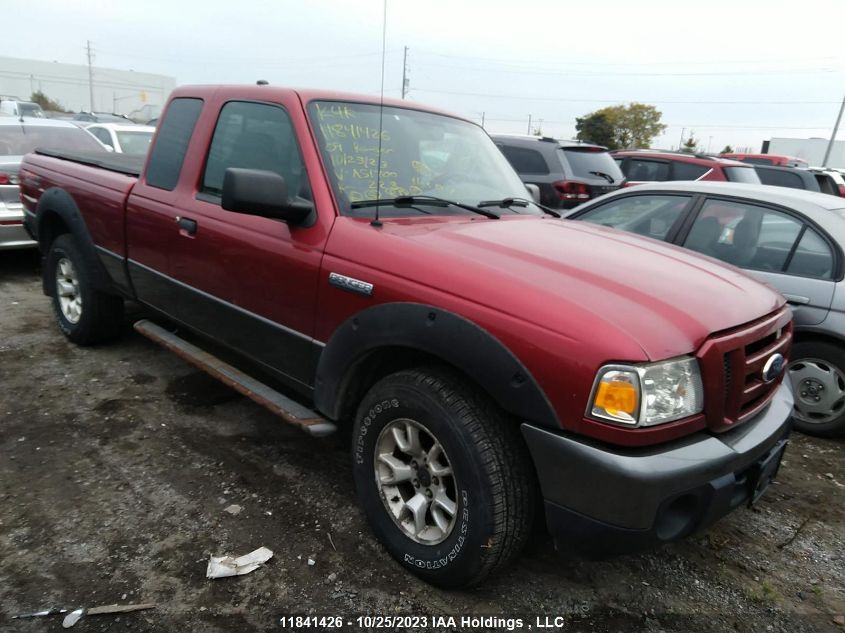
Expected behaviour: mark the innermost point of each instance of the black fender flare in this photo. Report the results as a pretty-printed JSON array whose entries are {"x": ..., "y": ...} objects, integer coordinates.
[
  {"x": 58, "y": 202},
  {"x": 436, "y": 332}
]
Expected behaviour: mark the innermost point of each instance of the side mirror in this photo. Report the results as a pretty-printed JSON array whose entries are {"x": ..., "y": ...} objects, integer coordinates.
[
  {"x": 262, "y": 193},
  {"x": 534, "y": 190}
]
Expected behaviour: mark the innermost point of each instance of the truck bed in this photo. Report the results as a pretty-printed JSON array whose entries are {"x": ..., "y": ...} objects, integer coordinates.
[{"x": 129, "y": 164}]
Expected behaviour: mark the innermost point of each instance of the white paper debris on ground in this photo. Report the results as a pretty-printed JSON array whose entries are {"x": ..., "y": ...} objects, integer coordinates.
[
  {"x": 233, "y": 509},
  {"x": 224, "y": 566},
  {"x": 72, "y": 618}
]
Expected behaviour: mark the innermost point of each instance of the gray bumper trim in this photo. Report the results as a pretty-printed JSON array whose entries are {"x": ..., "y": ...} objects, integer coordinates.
[{"x": 625, "y": 487}]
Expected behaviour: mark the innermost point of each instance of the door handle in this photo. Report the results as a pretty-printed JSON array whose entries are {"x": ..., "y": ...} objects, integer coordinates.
[
  {"x": 796, "y": 299},
  {"x": 188, "y": 225}
]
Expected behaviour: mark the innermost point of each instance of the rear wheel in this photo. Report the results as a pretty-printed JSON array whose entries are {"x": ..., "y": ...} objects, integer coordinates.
[
  {"x": 443, "y": 476},
  {"x": 817, "y": 372},
  {"x": 84, "y": 314}
]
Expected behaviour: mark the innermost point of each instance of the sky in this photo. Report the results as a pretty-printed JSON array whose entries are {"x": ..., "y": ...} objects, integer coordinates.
[{"x": 729, "y": 72}]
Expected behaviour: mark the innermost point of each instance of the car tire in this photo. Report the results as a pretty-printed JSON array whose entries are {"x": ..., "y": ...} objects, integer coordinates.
[
  {"x": 817, "y": 373},
  {"x": 477, "y": 514},
  {"x": 84, "y": 314}
]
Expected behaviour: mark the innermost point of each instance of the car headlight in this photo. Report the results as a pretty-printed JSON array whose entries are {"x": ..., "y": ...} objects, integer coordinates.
[{"x": 645, "y": 395}]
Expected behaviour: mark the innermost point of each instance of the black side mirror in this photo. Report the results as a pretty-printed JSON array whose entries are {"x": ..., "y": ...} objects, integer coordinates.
[{"x": 263, "y": 193}]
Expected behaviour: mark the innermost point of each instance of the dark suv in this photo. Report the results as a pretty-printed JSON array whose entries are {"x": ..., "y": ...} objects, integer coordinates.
[
  {"x": 567, "y": 172},
  {"x": 656, "y": 166}
]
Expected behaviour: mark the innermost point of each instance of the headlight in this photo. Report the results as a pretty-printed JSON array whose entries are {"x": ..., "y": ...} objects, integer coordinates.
[{"x": 645, "y": 395}]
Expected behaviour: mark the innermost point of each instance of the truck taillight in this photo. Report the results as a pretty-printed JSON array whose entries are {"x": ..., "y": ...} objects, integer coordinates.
[
  {"x": 842, "y": 190},
  {"x": 568, "y": 190},
  {"x": 5, "y": 179}
]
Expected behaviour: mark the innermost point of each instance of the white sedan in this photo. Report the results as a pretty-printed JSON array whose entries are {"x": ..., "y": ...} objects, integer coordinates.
[{"x": 123, "y": 138}]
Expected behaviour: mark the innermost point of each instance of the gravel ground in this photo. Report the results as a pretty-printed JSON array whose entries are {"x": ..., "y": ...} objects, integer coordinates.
[{"x": 117, "y": 464}]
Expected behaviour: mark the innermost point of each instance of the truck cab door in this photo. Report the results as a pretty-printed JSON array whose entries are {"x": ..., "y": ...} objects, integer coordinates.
[{"x": 250, "y": 282}]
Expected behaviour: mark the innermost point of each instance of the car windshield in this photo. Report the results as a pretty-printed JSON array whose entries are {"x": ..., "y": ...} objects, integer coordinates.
[
  {"x": 422, "y": 154},
  {"x": 594, "y": 163},
  {"x": 134, "y": 142},
  {"x": 17, "y": 140},
  {"x": 742, "y": 174}
]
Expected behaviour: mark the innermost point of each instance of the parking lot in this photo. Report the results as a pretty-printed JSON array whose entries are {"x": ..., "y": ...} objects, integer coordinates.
[{"x": 117, "y": 463}]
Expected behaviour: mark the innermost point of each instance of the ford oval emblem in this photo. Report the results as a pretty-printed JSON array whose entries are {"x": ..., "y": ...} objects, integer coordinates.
[{"x": 773, "y": 367}]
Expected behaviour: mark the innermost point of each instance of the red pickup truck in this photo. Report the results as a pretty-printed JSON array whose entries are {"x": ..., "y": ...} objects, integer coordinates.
[{"x": 381, "y": 269}]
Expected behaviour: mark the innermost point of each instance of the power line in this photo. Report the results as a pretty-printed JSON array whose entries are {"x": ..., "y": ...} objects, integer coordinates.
[{"x": 563, "y": 100}]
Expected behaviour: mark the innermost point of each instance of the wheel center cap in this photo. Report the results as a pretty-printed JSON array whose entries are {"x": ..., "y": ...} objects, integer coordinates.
[{"x": 424, "y": 476}]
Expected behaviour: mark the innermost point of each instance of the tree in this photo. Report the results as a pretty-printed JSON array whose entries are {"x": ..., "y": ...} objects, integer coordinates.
[
  {"x": 690, "y": 145},
  {"x": 621, "y": 126},
  {"x": 596, "y": 128},
  {"x": 728, "y": 150},
  {"x": 46, "y": 102}
]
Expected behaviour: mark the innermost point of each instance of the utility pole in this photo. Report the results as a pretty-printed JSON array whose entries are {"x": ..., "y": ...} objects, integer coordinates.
[
  {"x": 482, "y": 120},
  {"x": 406, "y": 80},
  {"x": 833, "y": 136},
  {"x": 90, "y": 74},
  {"x": 681, "y": 142},
  {"x": 529, "y": 124}
]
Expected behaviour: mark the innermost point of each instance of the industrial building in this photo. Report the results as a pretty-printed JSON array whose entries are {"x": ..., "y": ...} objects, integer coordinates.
[
  {"x": 140, "y": 95},
  {"x": 810, "y": 149}
]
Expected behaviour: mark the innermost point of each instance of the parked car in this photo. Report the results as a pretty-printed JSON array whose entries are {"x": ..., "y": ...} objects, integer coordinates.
[
  {"x": 777, "y": 160},
  {"x": 21, "y": 108},
  {"x": 641, "y": 166},
  {"x": 123, "y": 138},
  {"x": 830, "y": 181},
  {"x": 16, "y": 139},
  {"x": 566, "y": 172},
  {"x": 481, "y": 354},
  {"x": 790, "y": 239},
  {"x": 788, "y": 177},
  {"x": 101, "y": 117}
]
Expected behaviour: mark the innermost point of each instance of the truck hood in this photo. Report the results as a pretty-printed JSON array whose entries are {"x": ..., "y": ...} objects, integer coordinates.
[{"x": 579, "y": 279}]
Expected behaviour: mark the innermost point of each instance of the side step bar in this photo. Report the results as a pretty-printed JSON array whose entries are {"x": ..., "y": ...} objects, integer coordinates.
[{"x": 289, "y": 410}]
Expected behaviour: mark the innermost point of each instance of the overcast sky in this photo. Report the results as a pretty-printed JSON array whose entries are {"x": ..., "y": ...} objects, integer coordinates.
[{"x": 735, "y": 72}]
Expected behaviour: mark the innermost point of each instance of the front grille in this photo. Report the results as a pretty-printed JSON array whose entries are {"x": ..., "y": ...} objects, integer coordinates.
[{"x": 732, "y": 366}]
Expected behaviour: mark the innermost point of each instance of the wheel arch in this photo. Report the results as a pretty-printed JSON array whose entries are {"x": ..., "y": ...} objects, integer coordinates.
[
  {"x": 57, "y": 213},
  {"x": 395, "y": 336}
]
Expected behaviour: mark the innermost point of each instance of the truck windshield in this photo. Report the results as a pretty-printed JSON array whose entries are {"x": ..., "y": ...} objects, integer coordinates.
[{"x": 422, "y": 154}]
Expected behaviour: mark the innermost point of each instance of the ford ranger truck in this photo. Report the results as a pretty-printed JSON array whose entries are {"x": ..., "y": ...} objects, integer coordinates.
[{"x": 381, "y": 269}]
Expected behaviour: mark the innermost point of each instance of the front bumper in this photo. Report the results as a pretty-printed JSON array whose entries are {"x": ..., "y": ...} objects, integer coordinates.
[{"x": 617, "y": 499}]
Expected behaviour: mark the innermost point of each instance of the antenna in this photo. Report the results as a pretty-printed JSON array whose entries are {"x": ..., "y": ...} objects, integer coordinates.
[{"x": 376, "y": 221}]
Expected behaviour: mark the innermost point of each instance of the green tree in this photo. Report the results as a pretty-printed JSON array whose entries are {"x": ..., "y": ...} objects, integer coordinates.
[
  {"x": 690, "y": 145},
  {"x": 728, "y": 150},
  {"x": 46, "y": 102},
  {"x": 596, "y": 128},
  {"x": 632, "y": 125}
]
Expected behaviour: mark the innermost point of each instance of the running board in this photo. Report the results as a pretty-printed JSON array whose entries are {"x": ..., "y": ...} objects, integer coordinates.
[{"x": 289, "y": 410}]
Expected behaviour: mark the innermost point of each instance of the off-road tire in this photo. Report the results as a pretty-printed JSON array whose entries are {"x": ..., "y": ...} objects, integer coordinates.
[
  {"x": 495, "y": 484},
  {"x": 101, "y": 314}
]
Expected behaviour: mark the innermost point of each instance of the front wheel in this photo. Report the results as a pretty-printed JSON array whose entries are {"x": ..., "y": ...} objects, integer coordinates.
[
  {"x": 443, "y": 476},
  {"x": 817, "y": 373}
]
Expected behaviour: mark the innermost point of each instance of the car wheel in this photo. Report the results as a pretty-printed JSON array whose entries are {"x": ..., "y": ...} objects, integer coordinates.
[
  {"x": 84, "y": 314},
  {"x": 443, "y": 476},
  {"x": 817, "y": 373}
]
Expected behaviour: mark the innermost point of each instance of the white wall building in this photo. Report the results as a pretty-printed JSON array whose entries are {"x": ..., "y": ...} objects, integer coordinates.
[
  {"x": 810, "y": 149},
  {"x": 120, "y": 91}
]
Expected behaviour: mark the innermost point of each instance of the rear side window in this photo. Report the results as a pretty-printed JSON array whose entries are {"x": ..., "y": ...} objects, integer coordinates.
[
  {"x": 742, "y": 174},
  {"x": 525, "y": 161},
  {"x": 812, "y": 257},
  {"x": 688, "y": 171},
  {"x": 640, "y": 169},
  {"x": 593, "y": 164},
  {"x": 254, "y": 136},
  {"x": 779, "y": 178},
  {"x": 168, "y": 154}
]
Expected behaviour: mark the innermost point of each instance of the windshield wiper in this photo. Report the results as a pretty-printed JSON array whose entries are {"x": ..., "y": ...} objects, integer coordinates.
[
  {"x": 410, "y": 201},
  {"x": 507, "y": 203},
  {"x": 601, "y": 174}
]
